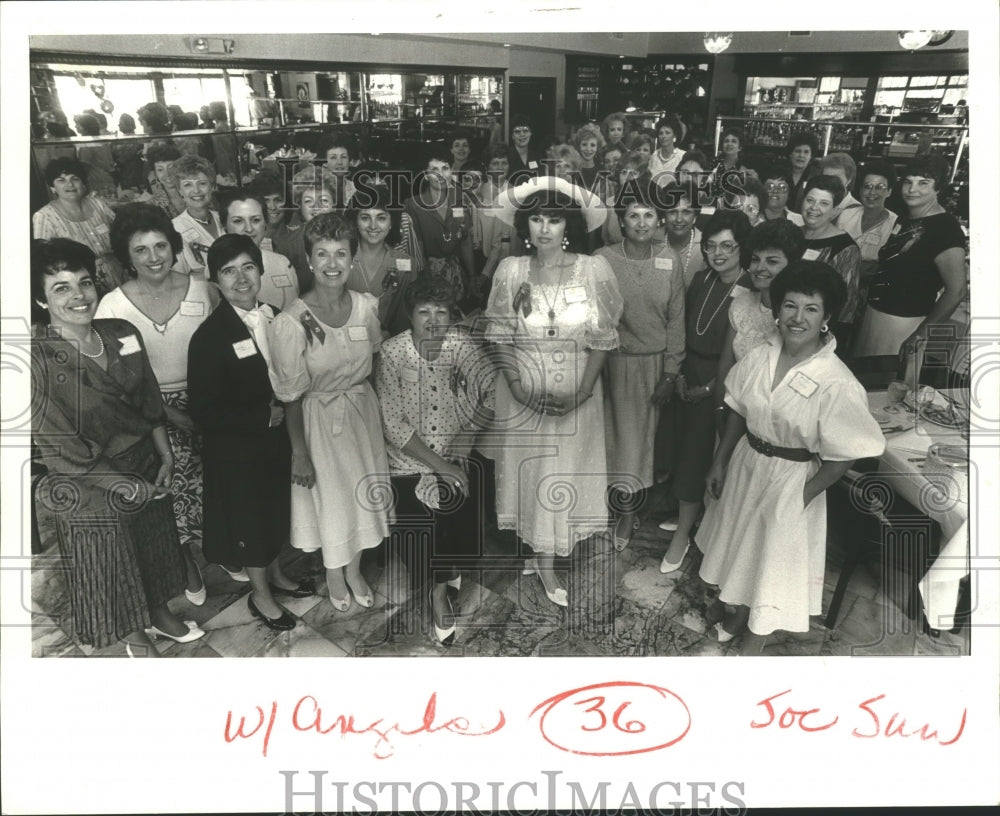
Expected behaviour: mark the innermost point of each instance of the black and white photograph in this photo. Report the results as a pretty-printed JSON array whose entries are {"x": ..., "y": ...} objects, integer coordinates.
[{"x": 602, "y": 350}]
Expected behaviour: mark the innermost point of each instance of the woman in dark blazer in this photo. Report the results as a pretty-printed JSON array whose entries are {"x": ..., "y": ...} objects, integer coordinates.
[{"x": 246, "y": 454}]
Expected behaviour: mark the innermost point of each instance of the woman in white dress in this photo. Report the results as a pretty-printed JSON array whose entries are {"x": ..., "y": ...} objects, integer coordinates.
[
  {"x": 554, "y": 315},
  {"x": 321, "y": 351},
  {"x": 799, "y": 421}
]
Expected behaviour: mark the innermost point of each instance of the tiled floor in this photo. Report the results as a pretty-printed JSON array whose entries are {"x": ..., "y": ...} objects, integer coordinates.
[{"x": 631, "y": 610}]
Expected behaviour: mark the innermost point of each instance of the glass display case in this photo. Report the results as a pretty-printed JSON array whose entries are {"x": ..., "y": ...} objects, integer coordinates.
[{"x": 828, "y": 98}]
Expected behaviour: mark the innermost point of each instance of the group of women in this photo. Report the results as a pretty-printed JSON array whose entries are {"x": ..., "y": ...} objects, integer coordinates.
[{"x": 250, "y": 381}]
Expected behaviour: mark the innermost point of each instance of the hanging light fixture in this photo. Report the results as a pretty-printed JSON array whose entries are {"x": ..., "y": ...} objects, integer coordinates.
[
  {"x": 912, "y": 40},
  {"x": 717, "y": 41}
]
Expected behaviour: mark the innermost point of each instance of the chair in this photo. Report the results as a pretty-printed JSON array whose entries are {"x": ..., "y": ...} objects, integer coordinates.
[{"x": 880, "y": 524}]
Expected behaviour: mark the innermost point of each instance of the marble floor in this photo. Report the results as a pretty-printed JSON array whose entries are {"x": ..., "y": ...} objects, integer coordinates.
[{"x": 620, "y": 604}]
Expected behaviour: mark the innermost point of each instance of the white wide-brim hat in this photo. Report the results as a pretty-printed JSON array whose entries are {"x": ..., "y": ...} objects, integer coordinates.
[{"x": 513, "y": 198}]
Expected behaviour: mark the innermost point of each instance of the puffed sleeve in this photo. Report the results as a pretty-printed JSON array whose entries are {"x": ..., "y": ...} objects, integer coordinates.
[
  {"x": 606, "y": 311},
  {"x": 846, "y": 428},
  {"x": 396, "y": 425},
  {"x": 503, "y": 324},
  {"x": 43, "y": 223},
  {"x": 739, "y": 376},
  {"x": 287, "y": 340},
  {"x": 372, "y": 322}
]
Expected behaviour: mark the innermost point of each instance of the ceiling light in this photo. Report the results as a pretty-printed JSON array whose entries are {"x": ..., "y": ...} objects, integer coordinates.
[
  {"x": 716, "y": 41},
  {"x": 912, "y": 40}
]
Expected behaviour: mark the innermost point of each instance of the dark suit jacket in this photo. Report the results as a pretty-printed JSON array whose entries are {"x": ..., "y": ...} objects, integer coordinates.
[{"x": 229, "y": 397}]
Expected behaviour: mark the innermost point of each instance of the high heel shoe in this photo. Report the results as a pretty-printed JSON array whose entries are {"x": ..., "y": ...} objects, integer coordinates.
[
  {"x": 621, "y": 542},
  {"x": 282, "y": 624},
  {"x": 197, "y": 598},
  {"x": 239, "y": 575},
  {"x": 305, "y": 589},
  {"x": 666, "y": 566},
  {"x": 558, "y": 596},
  {"x": 444, "y": 636},
  {"x": 341, "y": 605},
  {"x": 194, "y": 632},
  {"x": 366, "y": 601}
]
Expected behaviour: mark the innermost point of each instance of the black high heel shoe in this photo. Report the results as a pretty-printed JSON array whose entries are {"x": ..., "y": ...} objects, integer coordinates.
[
  {"x": 304, "y": 589},
  {"x": 282, "y": 624}
]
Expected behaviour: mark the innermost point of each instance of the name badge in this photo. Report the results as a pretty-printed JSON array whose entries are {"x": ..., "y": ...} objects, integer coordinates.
[
  {"x": 402, "y": 264},
  {"x": 664, "y": 263},
  {"x": 410, "y": 375},
  {"x": 357, "y": 332},
  {"x": 266, "y": 245},
  {"x": 532, "y": 165},
  {"x": 129, "y": 345},
  {"x": 810, "y": 255},
  {"x": 192, "y": 308},
  {"x": 281, "y": 280},
  {"x": 457, "y": 212},
  {"x": 803, "y": 386},
  {"x": 245, "y": 348},
  {"x": 575, "y": 294},
  {"x": 707, "y": 210},
  {"x": 101, "y": 229},
  {"x": 896, "y": 229}
]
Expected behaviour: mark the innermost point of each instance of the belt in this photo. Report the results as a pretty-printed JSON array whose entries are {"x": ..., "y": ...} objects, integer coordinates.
[{"x": 766, "y": 448}]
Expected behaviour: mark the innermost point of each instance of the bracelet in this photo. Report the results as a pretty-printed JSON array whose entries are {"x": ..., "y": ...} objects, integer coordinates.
[
  {"x": 585, "y": 393},
  {"x": 720, "y": 407}
]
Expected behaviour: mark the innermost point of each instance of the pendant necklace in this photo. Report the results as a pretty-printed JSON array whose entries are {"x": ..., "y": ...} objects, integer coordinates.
[
  {"x": 551, "y": 331},
  {"x": 697, "y": 323},
  {"x": 629, "y": 260}
]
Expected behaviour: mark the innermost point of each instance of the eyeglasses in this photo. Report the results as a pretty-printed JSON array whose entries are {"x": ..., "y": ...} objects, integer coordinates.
[
  {"x": 777, "y": 188},
  {"x": 522, "y": 130},
  {"x": 726, "y": 246},
  {"x": 880, "y": 187}
]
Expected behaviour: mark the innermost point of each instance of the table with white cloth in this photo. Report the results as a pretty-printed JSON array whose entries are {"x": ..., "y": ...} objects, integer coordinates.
[{"x": 943, "y": 498}]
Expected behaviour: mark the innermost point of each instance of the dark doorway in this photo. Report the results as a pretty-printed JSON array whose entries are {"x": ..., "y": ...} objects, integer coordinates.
[{"x": 535, "y": 97}]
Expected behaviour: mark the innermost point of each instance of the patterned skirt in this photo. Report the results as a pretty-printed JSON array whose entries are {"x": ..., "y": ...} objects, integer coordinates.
[
  {"x": 187, "y": 482},
  {"x": 122, "y": 560}
]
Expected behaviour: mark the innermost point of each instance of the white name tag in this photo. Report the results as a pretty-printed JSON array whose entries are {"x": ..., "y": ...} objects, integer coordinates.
[
  {"x": 357, "y": 332},
  {"x": 410, "y": 375},
  {"x": 457, "y": 212},
  {"x": 129, "y": 345},
  {"x": 896, "y": 229},
  {"x": 245, "y": 348},
  {"x": 266, "y": 245},
  {"x": 192, "y": 308},
  {"x": 575, "y": 294},
  {"x": 402, "y": 264},
  {"x": 664, "y": 263},
  {"x": 810, "y": 255},
  {"x": 281, "y": 280},
  {"x": 803, "y": 385},
  {"x": 532, "y": 165},
  {"x": 101, "y": 229}
]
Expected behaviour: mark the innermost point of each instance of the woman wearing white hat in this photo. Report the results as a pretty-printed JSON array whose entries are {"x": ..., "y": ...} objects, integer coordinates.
[{"x": 553, "y": 313}]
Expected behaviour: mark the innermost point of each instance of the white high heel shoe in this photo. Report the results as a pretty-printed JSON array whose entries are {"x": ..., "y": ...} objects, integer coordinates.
[
  {"x": 558, "y": 596},
  {"x": 197, "y": 598}
]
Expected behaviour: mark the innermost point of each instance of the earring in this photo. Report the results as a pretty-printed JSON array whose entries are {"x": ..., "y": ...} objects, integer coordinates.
[
  {"x": 777, "y": 321},
  {"x": 565, "y": 242},
  {"x": 527, "y": 243},
  {"x": 824, "y": 328}
]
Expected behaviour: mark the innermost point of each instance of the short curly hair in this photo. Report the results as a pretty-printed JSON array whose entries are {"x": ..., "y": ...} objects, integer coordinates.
[
  {"x": 430, "y": 289},
  {"x": 589, "y": 132},
  {"x": 132, "y": 219},
  {"x": 313, "y": 178},
  {"x": 929, "y": 166},
  {"x": 162, "y": 152},
  {"x": 551, "y": 203},
  {"x": 780, "y": 234},
  {"x": 810, "y": 278},
  {"x": 57, "y": 255},
  {"x": 737, "y": 223},
  {"x": 190, "y": 166},
  {"x": 803, "y": 137},
  {"x": 329, "y": 226},
  {"x": 879, "y": 167},
  {"x": 376, "y": 197},
  {"x": 64, "y": 165},
  {"x": 831, "y": 184}
]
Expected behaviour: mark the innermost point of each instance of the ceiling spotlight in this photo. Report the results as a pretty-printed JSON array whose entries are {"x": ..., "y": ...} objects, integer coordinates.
[
  {"x": 912, "y": 40},
  {"x": 716, "y": 41},
  {"x": 211, "y": 45},
  {"x": 200, "y": 44}
]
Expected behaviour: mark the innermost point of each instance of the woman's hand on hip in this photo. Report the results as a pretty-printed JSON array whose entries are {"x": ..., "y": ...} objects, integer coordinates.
[
  {"x": 455, "y": 476},
  {"x": 303, "y": 473}
]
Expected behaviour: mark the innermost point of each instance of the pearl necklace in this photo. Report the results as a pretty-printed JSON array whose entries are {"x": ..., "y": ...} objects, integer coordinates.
[
  {"x": 697, "y": 324},
  {"x": 687, "y": 256},
  {"x": 100, "y": 342},
  {"x": 629, "y": 260}
]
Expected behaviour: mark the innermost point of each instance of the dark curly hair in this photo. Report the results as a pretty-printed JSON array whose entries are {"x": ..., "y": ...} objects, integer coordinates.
[
  {"x": 803, "y": 137},
  {"x": 376, "y": 197},
  {"x": 810, "y": 278},
  {"x": 878, "y": 167},
  {"x": 930, "y": 166},
  {"x": 329, "y": 226},
  {"x": 63, "y": 165},
  {"x": 56, "y": 255},
  {"x": 231, "y": 195},
  {"x": 736, "y": 222},
  {"x": 779, "y": 234},
  {"x": 550, "y": 203},
  {"x": 229, "y": 246},
  {"x": 830, "y": 184},
  {"x": 430, "y": 289},
  {"x": 138, "y": 217},
  {"x": 162, "y": 152},
  {"x": 648, "y": 194}
]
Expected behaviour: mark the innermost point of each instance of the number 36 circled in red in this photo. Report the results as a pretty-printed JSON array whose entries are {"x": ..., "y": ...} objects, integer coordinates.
[{"x": 614, "y": 719}]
